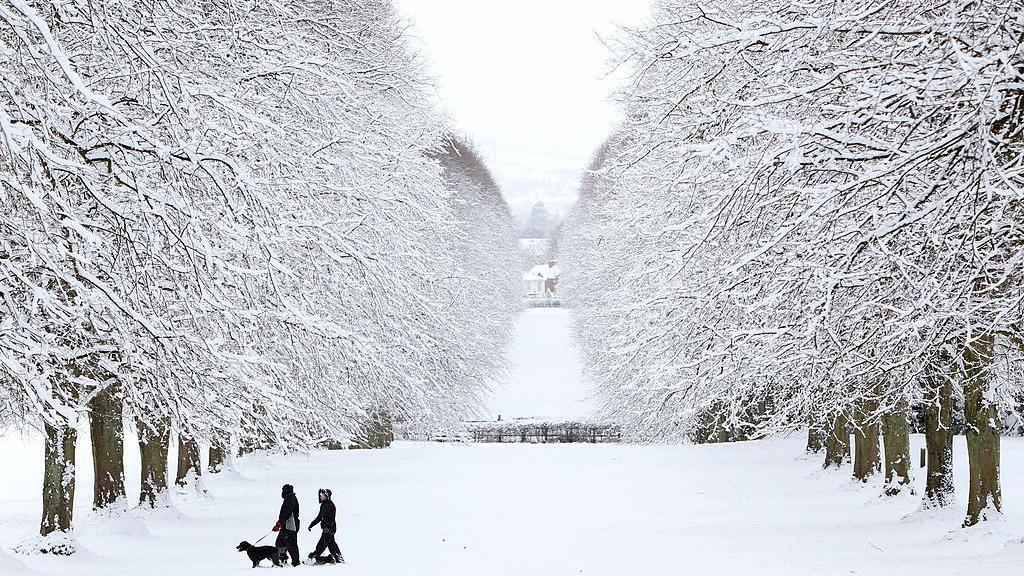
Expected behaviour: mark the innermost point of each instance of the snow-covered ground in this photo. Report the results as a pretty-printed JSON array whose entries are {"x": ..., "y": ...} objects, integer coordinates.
[
  {"x": 424, "y": 509},
  {"x": 439, "y": 509},
  {"x": 545, "y": 381}
]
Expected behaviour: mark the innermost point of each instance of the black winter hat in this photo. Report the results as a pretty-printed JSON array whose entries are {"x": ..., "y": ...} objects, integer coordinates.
[
  {"x": 327, "y": 492},
  {"x": 287, "y": 489}
]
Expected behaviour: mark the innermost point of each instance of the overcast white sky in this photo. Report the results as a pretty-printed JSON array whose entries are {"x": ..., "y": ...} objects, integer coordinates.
[{"x": 527, "y": 81}]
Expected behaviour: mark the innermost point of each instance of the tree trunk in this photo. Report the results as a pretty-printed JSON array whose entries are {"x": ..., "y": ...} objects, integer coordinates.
[
  {"x": 722, "y": 432},
  {"x": 377, "y": 431},
  {"x": 218, "y": 457},
  {"x": 866, "y": 458},
  {"x": 154, "y": 447},
  {"x": 896, "y": 435},
  {"x": 938, "y": 437},
  {"x": 837, "y": 443},
  {"x": 58, "y": 481},
  {"x": 983, "y": 426},
  {"x": 816, "y": 435},
  {"x": 106, "y": 430},
  {"x": 189, "y": 464}
]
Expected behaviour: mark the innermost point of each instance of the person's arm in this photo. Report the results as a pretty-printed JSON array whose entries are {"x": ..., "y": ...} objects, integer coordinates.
[
  {"x": 318, "y": 517},
  {"x": 282, "y": 516}
]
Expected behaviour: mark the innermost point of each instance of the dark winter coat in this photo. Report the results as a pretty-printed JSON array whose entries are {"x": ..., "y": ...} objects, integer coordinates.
[
  {"x": 327, "y": 517},
  {"x": 289, "y": 516}
]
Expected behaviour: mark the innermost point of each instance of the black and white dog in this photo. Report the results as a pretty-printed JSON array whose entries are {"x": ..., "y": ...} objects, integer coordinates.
[{"x": 259, "y": 553}]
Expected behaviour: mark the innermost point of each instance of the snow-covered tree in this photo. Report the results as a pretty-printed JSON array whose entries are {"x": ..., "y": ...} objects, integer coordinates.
[
  {"x": 223, "y": 223},
  {"x": 484, "y": 281},
  {"x": 821, "y": 204}
]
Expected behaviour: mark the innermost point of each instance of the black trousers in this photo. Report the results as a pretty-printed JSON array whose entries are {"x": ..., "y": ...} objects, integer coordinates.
[
  {"x": 288, "y": 541},
  {"x": 327, "y": 542}
]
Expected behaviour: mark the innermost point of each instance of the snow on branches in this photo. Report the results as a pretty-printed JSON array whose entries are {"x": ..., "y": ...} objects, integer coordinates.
[
  {"x": 232, "y": 218},
  {"x": 810, "y": 209}
]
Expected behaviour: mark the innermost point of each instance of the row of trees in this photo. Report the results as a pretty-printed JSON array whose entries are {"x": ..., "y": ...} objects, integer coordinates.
[
  {"x": 813, "y": 214},
  {"x": 235, "y": 224}
]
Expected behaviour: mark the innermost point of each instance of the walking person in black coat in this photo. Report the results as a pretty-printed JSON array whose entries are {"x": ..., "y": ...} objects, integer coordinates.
[
  {"x": 327, "y": 519},
  {"x": 287, "y": 526}
]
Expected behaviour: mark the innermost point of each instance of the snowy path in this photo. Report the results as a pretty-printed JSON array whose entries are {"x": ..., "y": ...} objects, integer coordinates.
[
  {"x": 429, "y": 509},
  {"x": 546, "y": 380}
]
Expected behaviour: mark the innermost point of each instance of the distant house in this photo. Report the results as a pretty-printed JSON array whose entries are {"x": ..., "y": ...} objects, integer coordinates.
[{"x": 541, "y": 280}]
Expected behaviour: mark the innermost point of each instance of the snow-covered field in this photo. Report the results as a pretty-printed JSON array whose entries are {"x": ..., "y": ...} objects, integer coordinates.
[
  {"x": 545, "y": 381},
  {"x": 425, "y": 509},
  {"x": 437, "y": 509}
]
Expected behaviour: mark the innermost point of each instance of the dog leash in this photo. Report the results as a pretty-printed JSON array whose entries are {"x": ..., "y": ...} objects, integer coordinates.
[{"x": 264, "y": 536}]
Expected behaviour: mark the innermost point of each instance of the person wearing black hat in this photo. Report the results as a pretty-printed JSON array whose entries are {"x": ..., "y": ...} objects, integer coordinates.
[
  {"x": 287, "y": 526},
  {"x": 328, "y": 523}
]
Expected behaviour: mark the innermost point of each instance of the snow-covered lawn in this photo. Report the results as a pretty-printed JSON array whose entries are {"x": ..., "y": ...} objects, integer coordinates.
[
  {"x": 545, "y": 380},
  {"x": 424, "y": 509}
]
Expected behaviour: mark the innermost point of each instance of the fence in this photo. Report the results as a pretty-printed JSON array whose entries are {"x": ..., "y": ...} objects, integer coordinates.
[
  {"x": 540, "y": 302},
  {"x": 544, "y": 432}
]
